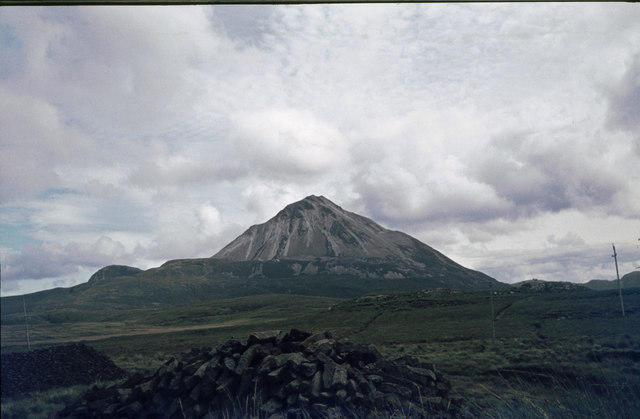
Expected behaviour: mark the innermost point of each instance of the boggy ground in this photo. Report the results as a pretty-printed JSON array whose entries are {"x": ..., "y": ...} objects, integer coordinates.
[{"x": 567, "y": 354}]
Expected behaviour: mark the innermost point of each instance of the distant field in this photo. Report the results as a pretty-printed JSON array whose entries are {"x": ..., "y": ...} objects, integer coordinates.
[
  {"x": 59, "y": 326},
  {"x": 555, "y": 354}
]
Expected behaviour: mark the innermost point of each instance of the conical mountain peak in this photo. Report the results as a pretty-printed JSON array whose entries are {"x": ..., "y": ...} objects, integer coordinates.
[
  {"x": 311, "y": 228},
  {"x": 308, "y": 204},
  {"x": 315, "y": 236}
]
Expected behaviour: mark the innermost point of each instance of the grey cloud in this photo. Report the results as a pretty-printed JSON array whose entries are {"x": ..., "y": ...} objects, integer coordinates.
[
  {"x": 246, "y": 25},
  {"x": 47, "y": 260},
  {"x": 287, "y": 144},
  {"x": 540, "y": 176},
  {"x": 411, "y": 208},
  {"x": 35, "y": 142},
  {"x": 564, "y": 263},
  {"x": 624, "y": 99},
  {"x": 265, "y": 105},
  {"x": 569, "y": 239},
  {"x": 149, "y": 174},
  {"x": 131, "y": 70},
  {"x": 186, "y": 239}
]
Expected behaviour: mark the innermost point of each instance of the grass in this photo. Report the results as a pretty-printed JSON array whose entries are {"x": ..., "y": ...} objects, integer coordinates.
[
  {"x": 199, "y": 280},
  {"x": 564, "y": 354},
  {"x": 512, "y": 376},
  {"x": 41, "y": 404},
  {"x": 56, "y": 326}
]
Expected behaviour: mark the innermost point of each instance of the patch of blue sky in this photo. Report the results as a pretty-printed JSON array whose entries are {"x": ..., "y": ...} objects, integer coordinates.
[
  {"x": 8, "y": 37},
  {"x": 12, "y": 52},
  {"x": 15, "y": 236},
  {"x": 122, "y": 215},
  {"x": 55, "y": 192}
]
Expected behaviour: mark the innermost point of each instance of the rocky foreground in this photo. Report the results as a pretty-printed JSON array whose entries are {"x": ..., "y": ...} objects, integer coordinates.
[{"x": 275, "y": 374}]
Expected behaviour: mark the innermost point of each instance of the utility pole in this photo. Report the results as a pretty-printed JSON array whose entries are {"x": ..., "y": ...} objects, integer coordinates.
[
  {"x": 615, "y": 257},
  {"x": 26, "y": 323},
  {"x": 493, "y": 316}
]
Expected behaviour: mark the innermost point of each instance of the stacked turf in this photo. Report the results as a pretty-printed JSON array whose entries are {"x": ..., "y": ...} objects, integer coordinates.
[
  {"x": 294, "y": 374},
  {"x": 58, "y": 366}
]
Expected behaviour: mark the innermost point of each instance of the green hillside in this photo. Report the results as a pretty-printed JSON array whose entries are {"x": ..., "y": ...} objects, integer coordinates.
[
  {"x": 558, "y": 353},
  {"x": 630, "y": 280},
  {"x": 196, "y": 280}
]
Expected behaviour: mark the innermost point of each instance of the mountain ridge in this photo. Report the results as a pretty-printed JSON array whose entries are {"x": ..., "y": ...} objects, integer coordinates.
[
  {"x": 325, "y": 238},
  {"x": 322, "y": 229},
  {"x": 311, "y": 247},
  {"x": 628, "y": 280}
]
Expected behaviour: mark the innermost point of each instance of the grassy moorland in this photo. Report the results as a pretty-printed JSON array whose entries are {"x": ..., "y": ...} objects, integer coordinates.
[
  {"x": 192, "y": 281},
  {"x": 560, "y": 353}
]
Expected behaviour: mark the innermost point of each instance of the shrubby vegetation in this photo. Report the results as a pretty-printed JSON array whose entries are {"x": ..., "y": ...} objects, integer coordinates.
[{"x": 558, "y": 354}]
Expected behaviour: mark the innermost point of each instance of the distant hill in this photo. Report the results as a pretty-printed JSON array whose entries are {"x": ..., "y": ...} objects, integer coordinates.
[
  {"x": 537, "y": 285},
  {"x": 114, "y": 271},
  {"x": 630, "y": 280},
  {"x": 311, "y": 247}
]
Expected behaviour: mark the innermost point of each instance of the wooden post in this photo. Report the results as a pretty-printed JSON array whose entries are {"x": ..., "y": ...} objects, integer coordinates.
[
  {"x": 26, "y": 323},
  {"x": 615, "y": 257},
  {"x": 493, "y": 316}
]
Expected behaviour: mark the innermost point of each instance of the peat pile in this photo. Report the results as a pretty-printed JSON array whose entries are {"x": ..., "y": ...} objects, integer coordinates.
[
  {"x": 58, "y": 366},
  {"x": 276, "y": 374}
]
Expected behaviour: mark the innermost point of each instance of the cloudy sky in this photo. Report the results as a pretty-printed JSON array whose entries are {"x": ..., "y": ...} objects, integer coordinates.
[{"x": 506, "y": 136}]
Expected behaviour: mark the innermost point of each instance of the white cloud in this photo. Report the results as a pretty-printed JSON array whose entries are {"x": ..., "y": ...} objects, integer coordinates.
[
  {"x": 287, "y": 144},
  {"x": 209, "y": 219},
  {"x": 51, "y": 259},
  {"x": 35, "y": 144},
  {"x": 480, "y": 129},
  {"x": 624, "y": 99},
  {"x": 128, "y": 65}
]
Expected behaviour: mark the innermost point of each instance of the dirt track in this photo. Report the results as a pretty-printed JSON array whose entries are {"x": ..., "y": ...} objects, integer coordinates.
[{"x": 15, "y": 335}]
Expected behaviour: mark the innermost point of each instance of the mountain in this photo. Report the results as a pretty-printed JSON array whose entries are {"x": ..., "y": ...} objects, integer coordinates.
[
  {"x": 315, "y": 236},
  {"x": 311, "y": 247},
  {"x": 630, "y": 280},
  {"x": 316, "y": 227}
]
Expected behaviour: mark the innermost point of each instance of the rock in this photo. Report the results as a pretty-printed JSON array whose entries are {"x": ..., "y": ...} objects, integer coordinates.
[
  {"x": 308, "y": 369},
  {"x": 202, "y": 370},
  {"x": 263, "y": 337},
  {"x": 316, "y": 385},
  {"x": 232, "y": 346},
  {"x": 291, "y": 360},
  {"x": 324, "y": 345},
  {"x": 229, "y": 364},
  {"x": 271, "y": 406},
  {"x": 375, "y": 379},
  {"x": 253, "y": 353},
  {"x": 329, "y": 369},
  {"x": 421, "y": 375},
  {"x": 295, "y": 335},
  {"x": 277, "y": 376},
  {"x": 339, "y": 380}
]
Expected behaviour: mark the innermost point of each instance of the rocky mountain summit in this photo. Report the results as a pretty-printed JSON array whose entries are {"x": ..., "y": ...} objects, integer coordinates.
[
  {"x": 316, "y": 227},
  {"x": 278, "y": 375},
  {"x": 315, "y": 236}
]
